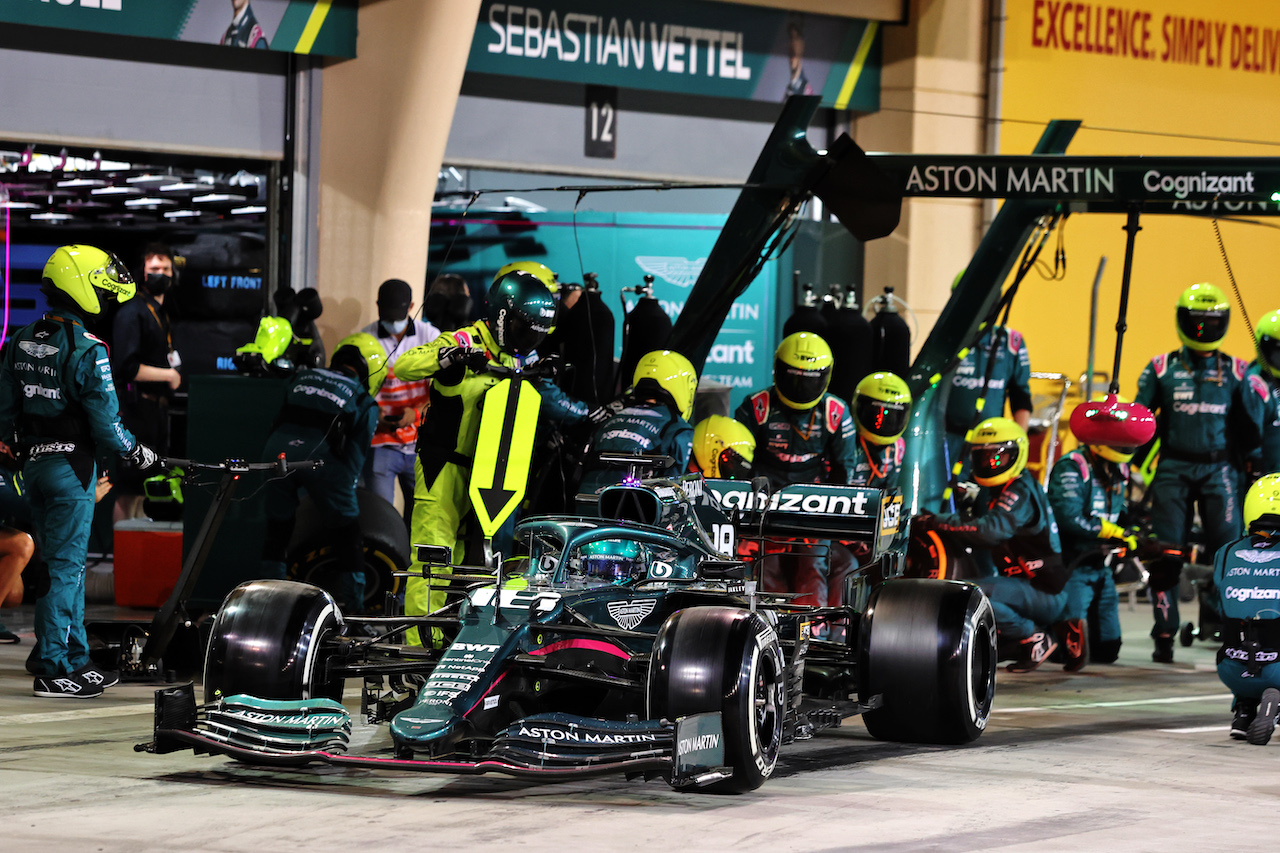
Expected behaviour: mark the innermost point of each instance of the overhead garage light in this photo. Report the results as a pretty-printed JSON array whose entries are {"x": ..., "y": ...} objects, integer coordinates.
[
  {"x": 149, "y": 201},
  {"x": 182, "y": 187},
  {"x": 149, "y": 178},
  {"x": 248, "y": 210},
  {"x": 82, "y": 183},
  {"x": 18, "y": 205},
  {"x": 181, "y": 214},
  {"x": 116, "y": 191},
  {"x": 217, "y": 198},
  {"x": 51, "y": 217}
]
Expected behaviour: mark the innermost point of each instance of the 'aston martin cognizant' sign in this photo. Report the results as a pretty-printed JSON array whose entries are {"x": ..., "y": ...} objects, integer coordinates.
[{"x": 1196, "y": 184}]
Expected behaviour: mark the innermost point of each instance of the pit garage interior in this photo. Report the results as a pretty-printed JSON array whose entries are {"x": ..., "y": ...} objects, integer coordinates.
[{"x": 405, "y": 138}]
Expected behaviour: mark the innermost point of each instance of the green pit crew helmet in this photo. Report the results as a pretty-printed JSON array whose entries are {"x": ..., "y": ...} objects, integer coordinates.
[
  {"x": 1203, "y": 314},
  {"x": 1269, "y": 343},
  {"x": 521, "y": 312},
  {"x": 89, "y": 277}
]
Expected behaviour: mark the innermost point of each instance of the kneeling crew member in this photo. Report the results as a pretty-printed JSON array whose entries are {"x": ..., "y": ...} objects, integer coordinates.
[
  {"x": 1013, "y": 521},
  {"x": 1244, "y": 573},
  {"x": 722, "y": 449},
  {"x": 653, "y": 418},
  {"x": 328, "y": 415},
  {"x": 1087, "y": 491}
]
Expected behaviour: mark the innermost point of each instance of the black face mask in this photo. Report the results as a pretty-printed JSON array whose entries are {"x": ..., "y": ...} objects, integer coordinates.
[{"x": 157, "y": 283}]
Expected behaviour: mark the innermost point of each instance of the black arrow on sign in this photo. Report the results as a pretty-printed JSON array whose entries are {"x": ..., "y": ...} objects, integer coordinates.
[{"x": 495, "y": 498}]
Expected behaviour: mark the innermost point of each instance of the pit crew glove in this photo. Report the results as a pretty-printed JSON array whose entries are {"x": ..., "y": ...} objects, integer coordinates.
[
  {"x": 600, "y": 414},
  {"x": 144, "y": 458},
  {"x": 967, "y": 493},
  {"x": 1111, "y": 530},
  {"x": 471, "y": 357}
]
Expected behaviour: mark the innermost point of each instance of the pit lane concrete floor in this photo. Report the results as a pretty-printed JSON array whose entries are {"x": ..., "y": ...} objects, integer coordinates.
[{"x": 1133, "y": 756}]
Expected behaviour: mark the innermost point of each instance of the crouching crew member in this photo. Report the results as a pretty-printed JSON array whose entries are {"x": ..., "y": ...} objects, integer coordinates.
[
  {"x": 1087, "y": 491},
  {"x": 1014, "y": 523},
  {"x": 802, "y": 435},
  {"x": 328, "y": 415},
  {"x": 57, "y": 395},
  {"x": 1247, "y": 575},
  {"x": 653, "y": 418},
  {"x": 722, "y": 449}
]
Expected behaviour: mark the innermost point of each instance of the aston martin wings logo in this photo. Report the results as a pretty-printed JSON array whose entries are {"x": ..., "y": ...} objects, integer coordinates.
[
  {"x": 681, "y": 272},
  {"x": 36, "y": 350},
  {"x": 629, "y": 614}
]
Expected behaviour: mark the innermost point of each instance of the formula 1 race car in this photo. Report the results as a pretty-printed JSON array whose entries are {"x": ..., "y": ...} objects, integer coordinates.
[{"x": 635, "y": 642}]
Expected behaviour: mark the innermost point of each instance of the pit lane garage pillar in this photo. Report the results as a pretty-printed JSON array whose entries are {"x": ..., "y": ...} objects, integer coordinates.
[{"x": 385, "y": 117}]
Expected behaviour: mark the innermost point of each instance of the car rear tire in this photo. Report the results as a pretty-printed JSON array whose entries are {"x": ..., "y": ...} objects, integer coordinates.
[
  {"x": 928, "y": 649},
  {"x": 724, "y": 659},
  {"x": 268, "y": 641}
]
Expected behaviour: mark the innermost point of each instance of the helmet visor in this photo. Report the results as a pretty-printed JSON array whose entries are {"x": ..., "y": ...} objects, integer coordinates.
[
  {"x": 798, "y": 385},
  {"x": 521, "y": 335},
  {"x": 611, "y": 568},
  {"x": 1205, "y": 327},
  {"x": 1269, "y": 352},
  {"x": 881, "y": 418},
  {"x": 732, "y": 466},
  {"x": 112, "y": 280},
  {"x": 992, "y": 460}
]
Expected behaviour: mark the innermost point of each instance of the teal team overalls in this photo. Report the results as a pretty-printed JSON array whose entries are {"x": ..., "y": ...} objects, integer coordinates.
[{"x": 56, "y": 391}]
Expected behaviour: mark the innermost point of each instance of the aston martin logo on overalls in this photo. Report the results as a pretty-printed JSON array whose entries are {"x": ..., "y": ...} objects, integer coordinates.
[{"x": 629, "y": 614}]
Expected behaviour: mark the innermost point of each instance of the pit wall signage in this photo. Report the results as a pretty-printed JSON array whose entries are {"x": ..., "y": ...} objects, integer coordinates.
[
  {"x": 1185, "y": 183},
  {"x": 688, "y": 46},
  {"x": 621, "y": 248},
  {"x": 321, "y": 27}
]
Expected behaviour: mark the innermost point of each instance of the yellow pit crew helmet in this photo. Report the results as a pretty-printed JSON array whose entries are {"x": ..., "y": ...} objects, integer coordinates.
[
  {"x": 670, "y": 372},
  {"x": 998, "y": 450},
  {"x": 363, "y": 353},
  {"x": 89, "y": 276},
  {"x": 1262, "y": 505},
  {"x": 881, "y": 406},
  {"x": 723, "y": 448},
  {"x": 1203, "y": 314},
  {"x": 802, "y": 369}
]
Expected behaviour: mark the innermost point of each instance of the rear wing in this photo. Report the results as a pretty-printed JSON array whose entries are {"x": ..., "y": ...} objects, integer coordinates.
[{"x": 847, "y": 513}]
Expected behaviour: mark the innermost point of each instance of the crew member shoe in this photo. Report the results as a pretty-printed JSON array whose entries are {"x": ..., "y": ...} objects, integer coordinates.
[
  {"x": 1164, "y": 649},
  {"x": 73, "y": 685},
  {"x": 1073, "y": 634},
  {"x": 1265, "y": 722},
  {"x": 110, "y": 677},
  {"x": 1245, "y": 711},
  {"x": 1032, "y": 652}
]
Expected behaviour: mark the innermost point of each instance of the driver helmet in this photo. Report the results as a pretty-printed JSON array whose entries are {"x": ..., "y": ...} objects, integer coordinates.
[
  {"x": 881, "y": 406},
  {"x": 999, "y": 450},
  {"x": 1262, "y": 505},
  {"x": 521, "y": 312},
  {"x": 723, "y": 448},
  {"x": 802, "y": 370},
  {"x": 1269, "y": 343},
  {"x": 670, "y": 375},
  {"x": 1203, "y": 314},
  {"x": 88, "y": 277},
  {"x": 363, "y": 354},
  {"x": 1111, "y": 453},
  {"x": 610, "y": 561}
]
